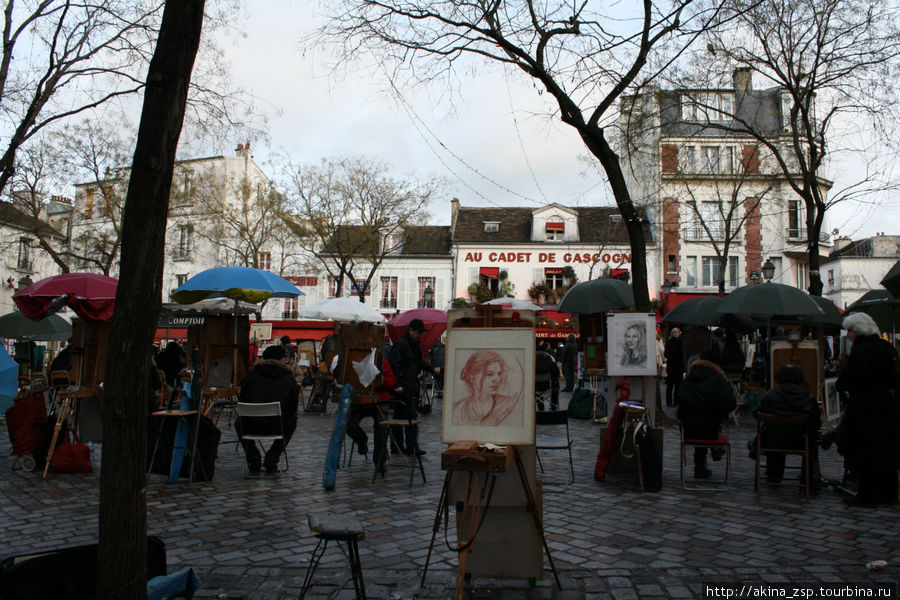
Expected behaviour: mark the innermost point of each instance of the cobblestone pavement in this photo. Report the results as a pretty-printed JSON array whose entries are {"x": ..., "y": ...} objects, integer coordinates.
[{"x": 249, "y": 539}]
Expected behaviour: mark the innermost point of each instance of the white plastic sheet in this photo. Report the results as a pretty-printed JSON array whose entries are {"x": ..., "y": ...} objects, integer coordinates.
[{"x": 366, "y": 369}]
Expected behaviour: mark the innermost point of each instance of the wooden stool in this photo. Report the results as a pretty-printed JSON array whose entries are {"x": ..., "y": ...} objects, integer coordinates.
[{"x": 340, "y": 528}]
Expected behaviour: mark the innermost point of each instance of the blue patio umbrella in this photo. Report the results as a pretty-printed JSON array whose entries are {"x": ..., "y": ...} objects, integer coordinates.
[
  {"x": 9, "y": 381},
  {"x": 237, "y": 283}
]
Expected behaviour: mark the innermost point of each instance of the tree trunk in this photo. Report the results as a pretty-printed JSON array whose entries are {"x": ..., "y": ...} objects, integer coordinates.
[
  {"x": 122, "y": 558},
  {"x": 597, "y": 144}
]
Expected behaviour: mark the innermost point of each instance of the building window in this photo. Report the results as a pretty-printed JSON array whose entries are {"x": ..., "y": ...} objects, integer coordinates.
[
  {"x": 711, "y": 162},
  {"x": 491, "y": 226},
  {"x": 392, "y": 243},
  {"x": 291, "y": 306},
  {"x": 707, "y": 106},
  {"x": 388, "y": 292},
  {"x": 710, "y": 275},
  {"x": 264, "y": 261},
  {"x": 686, "y": 160},
  {"x": 425, "y": 283},
  {"x": 24, "y": 261},
  {"x": 795, "y": 227},
  {"x": 831, "y": 279},
  {"x": 88, "y": 212},
  {"x": 180, "y": 279},
  {"x": 357, "y": 285},
  {"x": 670, "y": 264},
  {"x": 802, "y": 276},
  {"x": 553, "y": 276},
  {"x": 555, "y": 230},
  {"x": 184, "y": 243},
  {"x": 690, "y": 271},
  {"x": 733, "y": 272}
]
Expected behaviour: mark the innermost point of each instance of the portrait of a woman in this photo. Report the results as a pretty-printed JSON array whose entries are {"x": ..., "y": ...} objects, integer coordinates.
[
  {"x": 491, "y": 398},
  {"x": 634, "y": 346}
]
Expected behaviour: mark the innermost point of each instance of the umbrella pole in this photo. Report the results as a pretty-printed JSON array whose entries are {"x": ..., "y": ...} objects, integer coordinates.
[{"x": 234, "y": 366}]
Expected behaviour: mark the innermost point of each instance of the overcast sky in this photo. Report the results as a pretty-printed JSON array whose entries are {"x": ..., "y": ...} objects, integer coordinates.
[{"x": 495, "y": 146}]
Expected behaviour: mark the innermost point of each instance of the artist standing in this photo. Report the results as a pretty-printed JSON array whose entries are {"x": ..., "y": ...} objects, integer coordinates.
[{"x": 406, "y": 363}]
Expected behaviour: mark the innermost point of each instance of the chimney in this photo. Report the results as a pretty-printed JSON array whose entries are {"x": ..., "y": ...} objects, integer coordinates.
[
  {"x": 742, "y": 79},
  {"x": 840, "y": 243},
  {"x": 454, "y": 208},
  {"x": 243, "y": 150}
]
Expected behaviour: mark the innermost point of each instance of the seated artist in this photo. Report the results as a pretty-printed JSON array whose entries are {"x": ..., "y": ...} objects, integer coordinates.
[
  {"x": 359, "y": 411},
  {"x": 270, "y": 380},
  {"x": 790, "y": 397}
]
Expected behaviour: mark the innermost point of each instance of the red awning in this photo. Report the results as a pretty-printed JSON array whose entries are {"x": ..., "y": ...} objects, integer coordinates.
[
  {"x": 617, "y": 272},
  {"x": 556, "y": 226},
  {"x": 490, "y": 272}
]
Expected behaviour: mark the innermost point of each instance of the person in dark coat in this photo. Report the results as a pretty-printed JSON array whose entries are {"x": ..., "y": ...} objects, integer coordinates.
[
  {"x": 171, "y": 362},
  {"x": 790, "y": 397},
  {"x": 569, "y": 358},
  {"x": 868, "y": 437},
  {"x": 438, "y": 358},
  {"x": 270, "y": 380},
  {"x": 406, "y": 363},
  {"x": 674, "y": 366},
  {"x": 704, "y": 400},
  {"x": 545, "y": 364}
]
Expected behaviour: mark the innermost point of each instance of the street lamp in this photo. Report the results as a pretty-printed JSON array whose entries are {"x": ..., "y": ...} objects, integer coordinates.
[
  {"x": 768, "y": 270},
  {"x": 24, "y": 282},
  {"x": 428, "y": 297},
  {"x": 664, "y": 290}
]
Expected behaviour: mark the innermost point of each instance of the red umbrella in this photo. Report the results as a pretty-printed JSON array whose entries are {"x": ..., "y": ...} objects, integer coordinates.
[
  {"x": 92, "y": 296},
  {"x": 435, "y": 325}
]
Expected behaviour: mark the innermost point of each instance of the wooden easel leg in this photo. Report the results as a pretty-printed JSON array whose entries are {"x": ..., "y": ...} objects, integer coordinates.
[
  {"x": 441, "y": 509},
  {"x": 538, "y": 523},
  {"x": 60, "y": 419}
]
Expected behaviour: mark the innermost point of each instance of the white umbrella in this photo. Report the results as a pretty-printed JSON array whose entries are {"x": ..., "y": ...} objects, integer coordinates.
[
  {"x": 515, "y": 304},
  {"x": 341, "y": 309}
]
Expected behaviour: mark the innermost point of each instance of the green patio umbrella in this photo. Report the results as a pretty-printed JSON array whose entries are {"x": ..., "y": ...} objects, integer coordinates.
[
  {"x": 892, "y": 280},
  {"x": 882, "y": 306},
  {"x": 597, "y": 296},
  {"x": 769, "y": 300},
  {"x": 50, "y": 328},
  {"x": 830, "y": 319}
]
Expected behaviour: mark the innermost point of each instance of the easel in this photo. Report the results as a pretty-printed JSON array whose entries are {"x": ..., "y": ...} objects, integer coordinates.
[{"x": 481, "y": 467}]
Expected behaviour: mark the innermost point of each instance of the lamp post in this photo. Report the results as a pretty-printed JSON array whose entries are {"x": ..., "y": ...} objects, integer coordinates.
[
  {"x": 664, "y": 290},
  {"x": 768, "y": 270},
  {"x": 428, "y": 298},
  {"x": 24, "y": 282}
]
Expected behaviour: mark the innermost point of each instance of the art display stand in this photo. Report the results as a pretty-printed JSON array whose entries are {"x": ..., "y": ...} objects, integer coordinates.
[
  {"x": 499, "y": 520},
  {"x": 478, "y": 495},
  {"x": 223, "y": 345},
  {"x": 806, "y": 354},
  {"x": 355, "y": 343}
]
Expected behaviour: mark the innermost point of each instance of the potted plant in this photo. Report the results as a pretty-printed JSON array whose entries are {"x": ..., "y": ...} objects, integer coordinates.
[{"x": 539, "y": 291}]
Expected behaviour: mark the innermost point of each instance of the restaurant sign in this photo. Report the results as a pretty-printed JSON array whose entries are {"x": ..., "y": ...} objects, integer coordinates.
[
  {"x": 185, "y": 320},
  {"x": 617, "y": 258}
]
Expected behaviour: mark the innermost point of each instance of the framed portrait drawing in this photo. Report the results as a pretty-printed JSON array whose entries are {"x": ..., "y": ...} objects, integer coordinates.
[
  {"x": 489, "y": 386},
  {"x": 832, "y": 400},
  {"x": 632, "y": 344}
]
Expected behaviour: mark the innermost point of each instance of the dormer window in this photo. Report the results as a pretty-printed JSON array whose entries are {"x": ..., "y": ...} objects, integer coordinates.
[
  {"x": 392, "y": 243},
  {"x": 491, "y": 226},
  {"x": 555, "y": 230}
]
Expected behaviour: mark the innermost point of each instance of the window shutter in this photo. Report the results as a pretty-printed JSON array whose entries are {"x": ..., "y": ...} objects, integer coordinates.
[
  {"x": 473, "y": 275},
  {"x": 439, "y": 301}
]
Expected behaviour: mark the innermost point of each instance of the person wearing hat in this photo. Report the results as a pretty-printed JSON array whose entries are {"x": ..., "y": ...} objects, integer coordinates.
[{"x": 406, "y": 362}]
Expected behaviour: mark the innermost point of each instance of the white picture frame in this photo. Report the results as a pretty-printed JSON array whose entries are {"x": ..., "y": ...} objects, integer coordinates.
[
  {"x": 631, "y": 349},
  {"x": 489, "y": 386},
  {"x": 832, "y": 400}
]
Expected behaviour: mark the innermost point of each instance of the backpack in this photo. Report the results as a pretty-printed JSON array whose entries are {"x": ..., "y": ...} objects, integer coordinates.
[
  {"x": 651, "y": 461},
  {"x": 581, "y": 405}
]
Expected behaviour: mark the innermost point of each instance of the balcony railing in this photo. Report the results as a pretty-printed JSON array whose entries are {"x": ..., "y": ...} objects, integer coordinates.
[{"x": 800, "y": 233}]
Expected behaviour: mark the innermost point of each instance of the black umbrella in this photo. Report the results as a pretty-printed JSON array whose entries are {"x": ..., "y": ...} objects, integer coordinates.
[
  {"x": 892, "y": 280},
  {"x": 769, "y": 300},
  {"x": 830, "y": 319},
  {"x": 597, "y": 296},
  {"x": 702, "y": 312},
  {"x": 882, "y": 306}
]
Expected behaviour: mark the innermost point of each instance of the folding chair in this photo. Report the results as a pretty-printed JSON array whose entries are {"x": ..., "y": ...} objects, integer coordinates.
[
  {"x": 388, "y": 440},
  {"x": 261, "y": 423},
  {"x": 543, "y": 390},
  {"x": 720, "y": 443},
  {"x": 800, "y": 422},
  {"x": 550, "y": 436}
]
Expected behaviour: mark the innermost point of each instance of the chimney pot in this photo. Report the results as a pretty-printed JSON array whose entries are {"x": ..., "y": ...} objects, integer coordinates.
[{"x": 742, "y": 78}]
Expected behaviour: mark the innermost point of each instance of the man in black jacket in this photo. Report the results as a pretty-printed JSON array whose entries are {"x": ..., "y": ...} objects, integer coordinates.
[
  {"x": 270, "y": 380},
  {"x": 704, "y": 400},
  {"x": 406, "y": 362}
]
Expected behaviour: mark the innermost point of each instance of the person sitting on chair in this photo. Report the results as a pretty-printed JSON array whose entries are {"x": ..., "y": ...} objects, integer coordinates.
[
  {"x": 704, "y": 400},
  {"x": 270, "y": 380},
  {"x": 790, "y": 397}
]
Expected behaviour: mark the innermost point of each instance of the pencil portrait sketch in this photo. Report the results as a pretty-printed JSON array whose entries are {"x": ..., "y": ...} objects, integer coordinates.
[
  {"x": 629, "y": 350},
  {"x": 489, "y": 386}
]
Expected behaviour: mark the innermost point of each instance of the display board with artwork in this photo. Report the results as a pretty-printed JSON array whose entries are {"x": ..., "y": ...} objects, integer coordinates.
[{"x": 631, "y": 348}]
